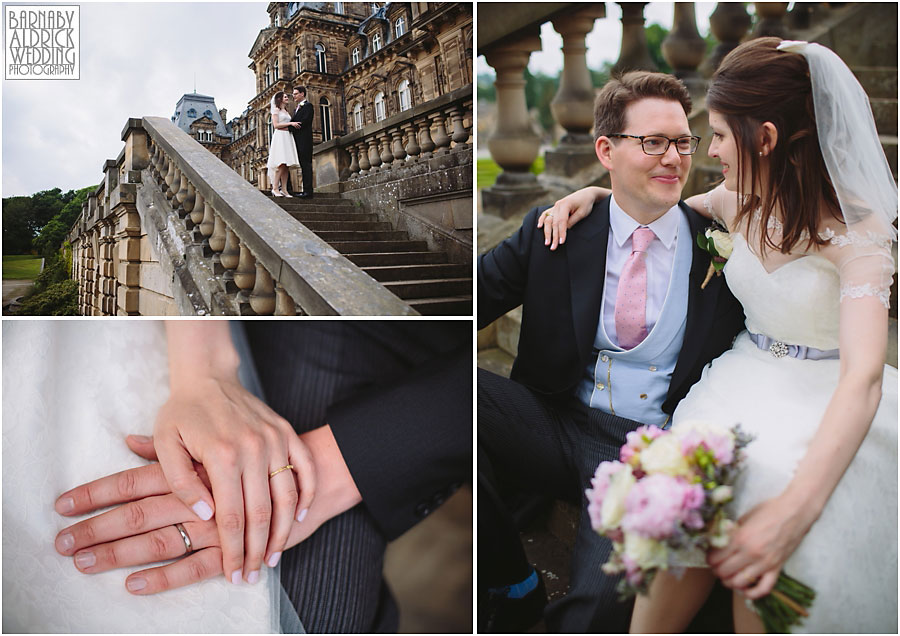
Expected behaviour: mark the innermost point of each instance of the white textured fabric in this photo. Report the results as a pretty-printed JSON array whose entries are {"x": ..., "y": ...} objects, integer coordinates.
[
  {"x": 72, "y": 390},
  {"x": 850, "y": 554},
  {"x": 282, "y": 149}
]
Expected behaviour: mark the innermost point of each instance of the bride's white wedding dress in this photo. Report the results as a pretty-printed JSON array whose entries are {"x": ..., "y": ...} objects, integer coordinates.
[
  {"x": 850, "y": 555},
  {"x": 282, "y": 149},
  {"x": 72, "y": 390}
]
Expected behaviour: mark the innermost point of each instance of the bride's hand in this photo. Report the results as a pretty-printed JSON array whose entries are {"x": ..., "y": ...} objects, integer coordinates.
[
  {"x": 764, "y": 539},
  {"x": 567, "y": 212}
]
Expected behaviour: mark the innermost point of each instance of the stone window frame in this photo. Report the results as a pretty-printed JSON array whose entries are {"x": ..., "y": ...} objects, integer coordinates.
[
  {"x": 208, "y": 113},
  {"x": 377, "y": 44},
  {"x": 325, "y": 118},
  {"x": 408, "y": 91},
  {"x": 192, "y": 112},
  {"x": 383, "y": 102},
  {"x": 275, "y": 67},
  {"x": 339, "y": 8},
  {"x": 321, "y": 58},
  {"x": 298, "y": 58},
  {"x": 358, "y": 121},
  {"x": 268, "y": 75},
  {"x": 271, "y": 127},
  {"x": 355, "y": 56},
  {"x": 400, "y": 26}
]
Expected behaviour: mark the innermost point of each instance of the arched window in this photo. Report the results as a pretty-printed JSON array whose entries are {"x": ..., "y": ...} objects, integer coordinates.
[
  {"x": 191, "y": 112},
  {"x": 379, "y": 106},
  {"x": 268, "y": 76},
  {"x": 399, "y": 27},
  {"x": 354, "y": 56},
  {"x": 357, "y": 116},
  {"x": 404, "y": 95},
  {"x": 271, "y": 128},
  {"x": 325, "y": 118},
  {"x": 297, "y": 58},
  {"x": 321, "y": 64},
  {"x": 339, "y": 7},
  {"x": 376, "y": 41},
  {"x": 275, "y": 65},
  {"x": 208, "y": 113}
]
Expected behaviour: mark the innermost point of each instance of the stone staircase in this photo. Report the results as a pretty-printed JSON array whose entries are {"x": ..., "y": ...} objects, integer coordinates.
[{"x": 426, "y": 280}]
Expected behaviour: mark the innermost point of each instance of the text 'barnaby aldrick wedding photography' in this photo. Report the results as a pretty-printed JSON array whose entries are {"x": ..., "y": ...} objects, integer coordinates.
[{"x": 41, "y": 42}]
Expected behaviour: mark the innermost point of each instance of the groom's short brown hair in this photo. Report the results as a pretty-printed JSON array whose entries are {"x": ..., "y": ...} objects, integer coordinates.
[
  {"x": 622, "y": 90},
  {"x": 300, "y": 89}
]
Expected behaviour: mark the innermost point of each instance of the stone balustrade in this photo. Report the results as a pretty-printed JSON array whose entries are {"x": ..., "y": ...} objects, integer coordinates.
[{"x": 173, "y": 230}]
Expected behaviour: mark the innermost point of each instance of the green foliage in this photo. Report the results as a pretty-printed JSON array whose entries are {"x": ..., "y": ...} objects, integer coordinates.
[
  {"x": 488, "y": 171},
  {"x": 21, "y": 267},
  {"x": 486, "y": 89},
  {"x": 655, "y": 35},
  {"x": 25, "y": 217},
  {"x": 54, "y": 232},
  {"x": 539, "y": 92},
  {"x": 54, "y": 293}
]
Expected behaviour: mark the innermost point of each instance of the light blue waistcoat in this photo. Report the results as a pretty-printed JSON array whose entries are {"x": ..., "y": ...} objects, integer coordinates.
[{"x": 633, "y": 384}]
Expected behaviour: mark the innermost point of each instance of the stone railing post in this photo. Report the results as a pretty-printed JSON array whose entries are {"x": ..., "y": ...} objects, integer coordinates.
[
  {"x": 573, "y": 105},
  {"x": 683, "y": 49},
  {"x": 374, "y": 154},
  {"x": 513, "y": 144},
  {"x": 262, "y": 298},
  {"x": 460, "y": 135},
  {"x": 426, "y": 143},
  {"x": 635, "y": 52},
  {"x": 387, "y": 157},
  {"x": 441, "y": 139},
  {"x": 770, "y": 16},
  {"x": 245, "y": 278},
  {"x": 354, "y": 162},
  {"x": 412, "y": 142},
  {"x": 364, "y": 165},
  {"x": 729, "y": 24},
  {"x": 397, "y": 145}
]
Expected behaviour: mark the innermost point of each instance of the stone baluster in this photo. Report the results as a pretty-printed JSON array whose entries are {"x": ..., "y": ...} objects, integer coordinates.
[
  {"x": 460, "y": 135},
  {"x": 441, "y": 139},
  {"x": 364, "y": 165},
  {"x": 374, "y": 154},
  {"x": 230, "y": 257},
  {"x": 728, "y": 24},
  {"x": 683, "y": 49},
  {"x": 387, "y": 157},
  {"x": 217, "y": 244},
  {"x": 354, "y": 162},
  {"x": 513, "y": 144},
  {"x": 170, "y": 179},
  {"x": 181, "y": 193},
  {"x": 207, "y": 224},
  {"x": 262, "y": 298},
  {"x": 154, "y": 160},
  {"x": 425, "y": 140},
  {"x": 188, "y": 204},
  {"x": 770, "y": 20},
  {"x": 284, "y": 304},
  {"x": 412, "y": 143},
  {"x": 197, "y": 212},
  {"x": 245, "y": 278},
  {"x": 635, "y": 53},
  {"x": 397, "y": 145}
]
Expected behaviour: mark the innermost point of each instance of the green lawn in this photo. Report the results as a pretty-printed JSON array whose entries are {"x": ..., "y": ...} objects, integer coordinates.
[
  {"x": 488, "y": 171},
  {"x": 26, "y": 266}
]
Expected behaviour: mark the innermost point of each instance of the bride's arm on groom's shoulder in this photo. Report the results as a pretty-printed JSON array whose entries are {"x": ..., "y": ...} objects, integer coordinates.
[
  {"x": 567, "y": 212},
  {"x": 768, "y": 534},
  {"x": 211, "y": 418}
]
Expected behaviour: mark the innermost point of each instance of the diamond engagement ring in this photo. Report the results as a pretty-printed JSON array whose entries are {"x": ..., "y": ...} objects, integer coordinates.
[{"x": 187, "y": 540}]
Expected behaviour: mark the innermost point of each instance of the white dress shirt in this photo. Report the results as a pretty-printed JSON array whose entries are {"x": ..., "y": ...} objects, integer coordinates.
[{"x": 660, "y": 255}]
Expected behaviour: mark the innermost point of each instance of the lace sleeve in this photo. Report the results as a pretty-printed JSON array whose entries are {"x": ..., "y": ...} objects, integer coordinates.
[{"x": 864, "y": 261}]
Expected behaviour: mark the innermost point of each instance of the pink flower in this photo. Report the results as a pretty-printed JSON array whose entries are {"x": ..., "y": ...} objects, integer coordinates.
[
  {"x": 659, "y": 503},
  {"x": 609, "y": 486},
  {"x": 636, "y": 441}
]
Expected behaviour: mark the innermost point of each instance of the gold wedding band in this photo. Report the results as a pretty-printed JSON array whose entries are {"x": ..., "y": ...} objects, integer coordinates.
[
  {"x": 184, "y": 535},
  {"x": 275, "y": 472}
]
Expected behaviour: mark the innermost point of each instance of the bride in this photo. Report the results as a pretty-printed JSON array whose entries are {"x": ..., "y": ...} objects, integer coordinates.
[
  {"x": 282, "y": 149},
  {"x": 809, "y": 200}
]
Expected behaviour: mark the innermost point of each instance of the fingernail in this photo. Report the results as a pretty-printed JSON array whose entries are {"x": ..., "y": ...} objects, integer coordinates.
[
  {"x": 236, "y": 576},
  {"x": 273, "y": 560},
  {"x": 143, "y": 439},
  {"x": 302, "y": 514},
  {"x": 136, "y": 584},
  {"x": 85, "y": 559},
  {"x": 64, "y": 505},
  {"x": 65, "y": 542},
  {"x": 202, "y": 510},
  {"x": 253, "y": 578}
]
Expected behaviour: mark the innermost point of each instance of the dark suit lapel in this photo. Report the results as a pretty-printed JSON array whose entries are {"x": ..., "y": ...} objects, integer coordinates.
[{"x": 586, "y": 254}]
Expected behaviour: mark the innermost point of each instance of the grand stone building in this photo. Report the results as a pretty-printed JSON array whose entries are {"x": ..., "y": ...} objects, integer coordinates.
[{"x": 362, "y": 62}]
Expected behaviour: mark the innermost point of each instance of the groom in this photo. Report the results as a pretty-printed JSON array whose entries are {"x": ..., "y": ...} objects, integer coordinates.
[
  {"x": 615, "y": 330},
  {"x": 303, "y": 114}
]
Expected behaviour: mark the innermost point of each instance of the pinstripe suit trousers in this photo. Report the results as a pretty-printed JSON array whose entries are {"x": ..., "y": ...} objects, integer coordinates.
[{"x": 531, "y": 443}]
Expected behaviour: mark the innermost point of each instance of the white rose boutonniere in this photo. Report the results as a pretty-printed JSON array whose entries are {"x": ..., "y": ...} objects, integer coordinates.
[{"x": 717, "y": 242}]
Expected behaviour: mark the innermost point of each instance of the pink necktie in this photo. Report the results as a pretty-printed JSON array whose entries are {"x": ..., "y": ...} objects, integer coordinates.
[{"x": 631, "y": 296}]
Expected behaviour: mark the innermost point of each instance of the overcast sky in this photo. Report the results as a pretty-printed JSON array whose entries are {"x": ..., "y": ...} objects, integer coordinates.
[
  {"x": 137, "y": 59},
  {"x": 604, "y": 41}
]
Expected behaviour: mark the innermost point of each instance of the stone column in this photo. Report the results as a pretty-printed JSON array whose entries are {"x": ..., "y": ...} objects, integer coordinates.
[
  {"x": 770, "y": 20},
  {"x": 513, "y": 144},
  {"x": 684, "y": 49},
  {"x": 573, "y": 105},
  {"x": 635, "y": 53},
  {"x": 728, "y": 23}
]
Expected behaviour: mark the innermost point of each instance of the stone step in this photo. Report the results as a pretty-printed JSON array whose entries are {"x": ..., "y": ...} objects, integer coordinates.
[
  {"x": 877, "y": 81},
  {"x": 372, "y": 259},
  {"x": 889, "y": 144},
  {"x": 430, "y": 288},
  {"x": 343, "y": 207},
  {"x": 366, "y": 247},
  {"x": 317, "y": 195},
  {"x": 346, "y": 225},
  {"x": 885, "y": 111},
  {"x": 352, "y": 236},
  {"x": 303, "y": 217},
  {"x": 384, "y": 273},
  {"x": 451, "y": 306}
]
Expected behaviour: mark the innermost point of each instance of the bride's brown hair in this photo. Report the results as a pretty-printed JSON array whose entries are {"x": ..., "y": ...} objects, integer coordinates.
[
  {"x": 279, "y": 98},
  {"x": 757, "y": 83}
]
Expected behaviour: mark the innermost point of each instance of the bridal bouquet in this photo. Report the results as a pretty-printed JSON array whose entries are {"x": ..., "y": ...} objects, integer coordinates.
[{"x": 663, "y": 505}]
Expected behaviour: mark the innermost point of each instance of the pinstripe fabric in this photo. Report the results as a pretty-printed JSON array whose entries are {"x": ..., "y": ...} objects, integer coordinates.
[
  {"x": 536, "y": 444},
  {"x": 334, "y": 577}
]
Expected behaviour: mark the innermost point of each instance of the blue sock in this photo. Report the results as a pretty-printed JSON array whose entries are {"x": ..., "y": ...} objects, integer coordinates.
[{"x": 519, "y": 589}]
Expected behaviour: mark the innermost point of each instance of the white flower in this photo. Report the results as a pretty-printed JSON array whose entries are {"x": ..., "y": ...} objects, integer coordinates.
[
  {"x": 720, "y": 495},
  {"x": 614, "y": 500},
  {"x": 722, "y": 241},
  {"x": 646, "y": 553},
  {"x": 722, "y": 534},
  {"x": 664, "y": 456}
]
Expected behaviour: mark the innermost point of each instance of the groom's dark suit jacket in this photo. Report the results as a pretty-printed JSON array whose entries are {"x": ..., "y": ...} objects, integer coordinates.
[
  {"x": 561, "y": 294},
  {"x": 303, "y": 137}
]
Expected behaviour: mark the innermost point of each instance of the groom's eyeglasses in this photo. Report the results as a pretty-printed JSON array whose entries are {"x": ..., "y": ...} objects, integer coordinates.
[{"x": 658, "y": 145}]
